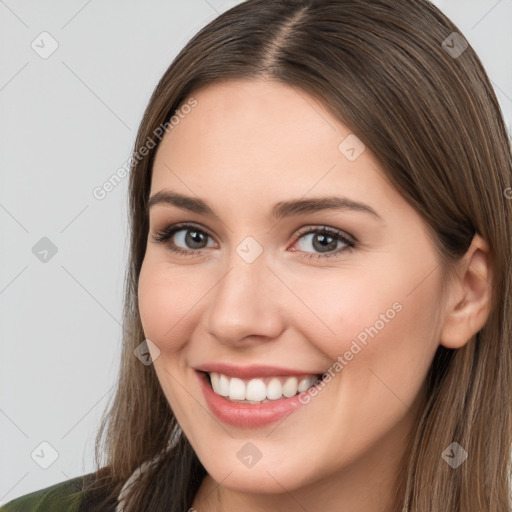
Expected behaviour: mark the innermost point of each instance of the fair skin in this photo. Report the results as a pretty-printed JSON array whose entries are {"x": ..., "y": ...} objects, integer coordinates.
[{"x": 245, "y": 147}]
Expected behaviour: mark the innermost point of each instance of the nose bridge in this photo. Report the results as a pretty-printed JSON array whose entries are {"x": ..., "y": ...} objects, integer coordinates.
[{"x": 244, "y": 301}]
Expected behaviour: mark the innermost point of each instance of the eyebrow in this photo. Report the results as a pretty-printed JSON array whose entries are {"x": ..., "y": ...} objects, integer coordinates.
[{"x": 279, "y": 211}]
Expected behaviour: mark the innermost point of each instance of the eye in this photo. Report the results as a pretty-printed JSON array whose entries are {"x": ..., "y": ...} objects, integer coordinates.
[
  {"x": 189, "y": 240},
  {"x": 190, "y": 236},
  {"x": 326, "y": 241}
]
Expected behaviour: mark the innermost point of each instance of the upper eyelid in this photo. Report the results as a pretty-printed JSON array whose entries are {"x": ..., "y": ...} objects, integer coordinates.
[
  {"x": 188, "y": 225},
  {"x": 328, "y": 229}
]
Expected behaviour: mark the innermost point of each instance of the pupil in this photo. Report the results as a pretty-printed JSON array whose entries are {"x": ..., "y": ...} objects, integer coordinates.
[
  {"x": 194, "y": 237},
  {"x": 324, "y": 242}
]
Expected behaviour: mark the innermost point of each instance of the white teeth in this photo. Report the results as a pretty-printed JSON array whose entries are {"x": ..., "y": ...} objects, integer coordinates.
[
  {"x": 259, "y": 390},
  {"x": 214, "y": 377},
  {"x": 223, "y": 385},
  {"x": 256, "y": 390},
  {"x": 274, "y": 389},
  {"x": 236, "y": 389},
  {"x": 304, "y": 384},
  {"x": 290, "y": 387}
]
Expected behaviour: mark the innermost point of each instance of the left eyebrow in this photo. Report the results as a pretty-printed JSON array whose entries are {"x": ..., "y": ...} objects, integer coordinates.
[
  {"x": 304, "y": 206},
  {"x": 279, "y": 211}
]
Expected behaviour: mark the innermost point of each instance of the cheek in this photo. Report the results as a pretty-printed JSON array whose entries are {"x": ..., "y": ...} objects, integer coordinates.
[
  {"x": 165, "y": 305},
  {"x": 377, "y": 318}
]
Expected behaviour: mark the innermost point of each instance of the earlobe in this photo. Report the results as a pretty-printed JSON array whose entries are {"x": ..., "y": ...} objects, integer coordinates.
[{"x": 469, "y": 301}]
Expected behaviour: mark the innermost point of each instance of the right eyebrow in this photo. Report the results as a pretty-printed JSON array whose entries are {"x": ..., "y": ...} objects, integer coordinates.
[{"x": 192, "y": 204}]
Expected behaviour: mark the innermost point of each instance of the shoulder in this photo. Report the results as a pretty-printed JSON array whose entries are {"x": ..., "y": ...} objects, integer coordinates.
[{"x": 64, "y": 496}]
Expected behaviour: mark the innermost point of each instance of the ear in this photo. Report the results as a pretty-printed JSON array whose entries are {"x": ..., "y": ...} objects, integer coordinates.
[{"x": 468, "y": 304}]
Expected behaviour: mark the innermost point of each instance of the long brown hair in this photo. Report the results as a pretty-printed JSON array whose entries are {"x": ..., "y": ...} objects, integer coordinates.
[{"x": 385, "y": 70}]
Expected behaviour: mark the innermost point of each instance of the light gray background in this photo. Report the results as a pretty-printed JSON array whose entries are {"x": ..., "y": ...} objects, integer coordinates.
[{"x": 67, "y": 124}]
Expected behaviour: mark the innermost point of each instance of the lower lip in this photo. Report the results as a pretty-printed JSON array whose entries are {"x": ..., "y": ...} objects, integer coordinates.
[{"x": 247, "y": 415}]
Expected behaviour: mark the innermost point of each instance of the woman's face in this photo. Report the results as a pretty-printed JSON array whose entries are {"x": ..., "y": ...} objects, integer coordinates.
[{"x": 275, "y": 286}]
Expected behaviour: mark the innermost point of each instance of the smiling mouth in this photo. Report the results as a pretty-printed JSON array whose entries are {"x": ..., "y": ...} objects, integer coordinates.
[{"x": 260, "y": 390}]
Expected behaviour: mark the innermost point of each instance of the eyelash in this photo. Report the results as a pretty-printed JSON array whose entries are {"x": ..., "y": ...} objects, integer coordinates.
[{"x": 164, "y": 235}]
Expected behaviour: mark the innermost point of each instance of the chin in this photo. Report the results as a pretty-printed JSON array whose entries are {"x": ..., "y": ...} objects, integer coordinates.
[{"x": 270, "y": 476}]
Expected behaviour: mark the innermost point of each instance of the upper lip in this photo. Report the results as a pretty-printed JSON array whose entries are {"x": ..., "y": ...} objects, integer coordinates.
[{"x": 251, "y": 372}]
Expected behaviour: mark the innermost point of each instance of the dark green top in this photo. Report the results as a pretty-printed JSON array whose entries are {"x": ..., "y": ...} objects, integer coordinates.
[{"x": 62, "y": 497}]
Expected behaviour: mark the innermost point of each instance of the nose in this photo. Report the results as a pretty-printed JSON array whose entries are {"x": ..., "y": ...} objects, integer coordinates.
[{"x": 244, "y": 306}]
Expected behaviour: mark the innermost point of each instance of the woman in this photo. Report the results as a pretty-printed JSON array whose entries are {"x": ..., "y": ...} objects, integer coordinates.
[{"x": 318, "y": 301}]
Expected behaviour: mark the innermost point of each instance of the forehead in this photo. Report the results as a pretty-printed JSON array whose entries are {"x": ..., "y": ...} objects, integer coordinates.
[
  {"x": 254, "y": 120},
  {"x": 262, "y": 139}
]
